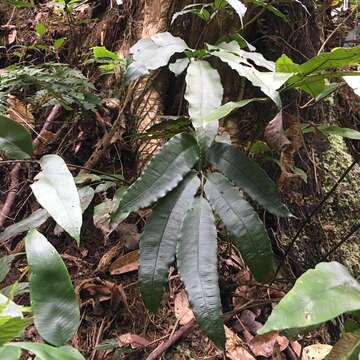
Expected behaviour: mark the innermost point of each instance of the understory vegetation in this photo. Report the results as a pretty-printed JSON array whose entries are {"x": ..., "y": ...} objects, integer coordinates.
[{"x": 179, "y": 179}]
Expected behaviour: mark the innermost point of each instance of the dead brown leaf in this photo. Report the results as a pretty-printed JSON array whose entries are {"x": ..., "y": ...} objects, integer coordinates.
[
  {"x": 316, "y": 352},
  {"x": 125, "y": 264},
  {"x": 129, "y": 234},
  {"x": 108, "y": 257},
  {"x": 234, "y": 349},
  {"x": 19, "y": 112},
  {"x": 133, "y": 340},
  {"x": 263, "y": 345},
  {"x": 275, "y": 134},
  {"x": 183, "y": 311}
]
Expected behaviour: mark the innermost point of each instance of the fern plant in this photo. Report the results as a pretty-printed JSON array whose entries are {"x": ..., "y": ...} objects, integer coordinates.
[{"x": 185, "y": 191}]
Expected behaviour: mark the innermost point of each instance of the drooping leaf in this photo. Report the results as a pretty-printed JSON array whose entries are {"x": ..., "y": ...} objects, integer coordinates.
[
  {"x": 204, "y": 93},
  {"x": 239, "y": 7},
  {"x": 319, "y": 295},
  {"x": 188, "y": 9},
  {"x": 164, "y": 172},
  {"x": 197, "y": 264},
  {"x": 269, "y": 82},
  {"x": 158, "y": 241},
  {"x": 15, "y": 140},
  {"x": 153, "y": 52},
  {"x": 224, "y": 110},
  {"x": 47, "y": 352},
  {"x": 248, "y": 175},
  {"x": 33, "y": 221},
  {"x": 243, "y": 223},
  {"x": 15, "y": 289},
  {"x": 9, "y": 353},
  {"x": 5, "y": 263},
  {"x": 347, "y": 348},
  {"x": 53, "y": 300},
  {"x": 334, "y": 130},
  {"x": 55, "y": 190}
]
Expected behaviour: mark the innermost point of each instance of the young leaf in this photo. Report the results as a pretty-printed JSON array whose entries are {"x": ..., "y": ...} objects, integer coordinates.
[
  {"x": 164, "y": 172},
  {"x": 347, "y": 348},
  {"x": 243, "y": 223},
  {"x": 55, "y": 190},
  {"x": 47, "y": 352},
  {"x": 158, "y": 241},
  {"x": 204, "y": 93},
  {"x": 248, "y": 175},
  {"x": 15, "y": 140},
  {"x": 197, "y": 264},
  {"x": 153, "y": 53},
  {"x": 53, "y": 300},
  {"x": 319, "y": 295}
]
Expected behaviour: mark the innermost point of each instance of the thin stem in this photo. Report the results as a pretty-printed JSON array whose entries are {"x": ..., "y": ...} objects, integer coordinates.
[{"x": 312, "y": 214}]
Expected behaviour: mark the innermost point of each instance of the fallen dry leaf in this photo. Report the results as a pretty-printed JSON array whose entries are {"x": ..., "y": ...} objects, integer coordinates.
[
  {"x": 108, "y": 257},
  {"x": 125, "y": 264},
  {"x": 129, "y": 234},
  {"x": 316, "y": 352},
  {"x": 247, "y": 318},
  {"x": 182, "y": 308},
  {"x": 19, "y": 112},
  {"x": 234, "y": 350},
  {"x": 133, "y": 340},
  {"x": 275, "y": 134},
  {"x": 263, "y": 345}
]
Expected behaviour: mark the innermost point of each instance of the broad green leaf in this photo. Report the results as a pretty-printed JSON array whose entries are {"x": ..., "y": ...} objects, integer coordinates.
[
  {"x": 47, "y": 352},
  {"x": 158, "y": 241},
  {"x": 55, "y": 190},
  {"x": 15, "y": 140},
  {"x": 197, "y": 264},
  {"x": 9, "y": 353},
  {"x": 239, "y": 7},
  {"x": 319, "y": 295},
  {"x": 58, "y": 43},
  {"x": 9, "y": 308},
  {"x": 152, "y": 53},
  {"x": 248, "y": 175},
  {"x": 347, "y": 348},
  {"x": 269, "y": 82},
  {"x": 101, "y": 52},
  {"x": 164, "y": 172},
  {"x": 5, "y": 264},
  {"x": 334, "y": 130},
  {"x": 53, "y": 300},
  {"x": 224, "y": 110},
  {"x": 204, "y": 93},
  {"x": 33, "y": 221},
  {"x": 40, "y": 29},
  {"x": 243, "y": 223}
]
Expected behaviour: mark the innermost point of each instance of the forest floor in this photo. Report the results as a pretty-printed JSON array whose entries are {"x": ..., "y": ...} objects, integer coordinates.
[{"x": 114, "y": 321}]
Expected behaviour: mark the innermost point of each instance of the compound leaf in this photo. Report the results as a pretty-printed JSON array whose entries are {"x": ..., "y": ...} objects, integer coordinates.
[
  {"x": 197, "y": 264},
  {"x": 164, "y": 172},
  {"x": 53, "y": 300},
  {"x": 319, "y": 295},
  {"x": 55, "y": 190},
  {"x": 158, "y": 241},
  {"x": 242, "y": 221},
  {"x": 248, "y": 175},
  {"x": 15, "y": 140}
]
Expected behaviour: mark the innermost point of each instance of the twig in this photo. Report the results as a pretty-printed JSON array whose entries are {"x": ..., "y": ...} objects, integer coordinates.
[
  {"x": 162, "y": 348},
  {"x": 309, "y": 217},
  {"x": 11, "y": 195},
  {"x": 105, "y": 141},
  {"x": 340, "y": 243}
]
